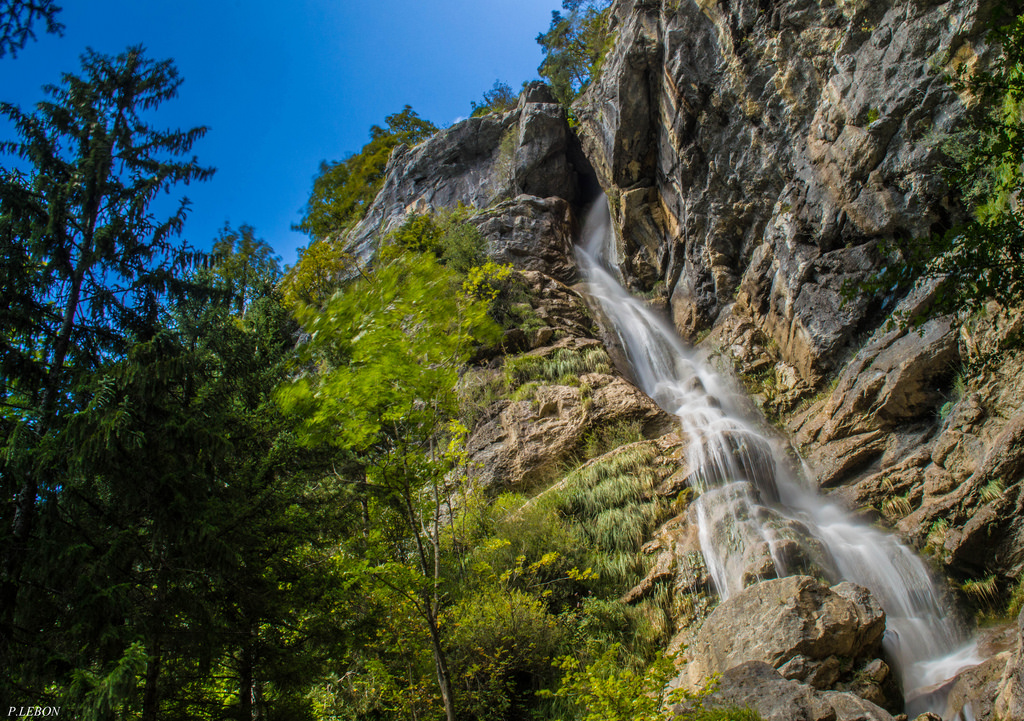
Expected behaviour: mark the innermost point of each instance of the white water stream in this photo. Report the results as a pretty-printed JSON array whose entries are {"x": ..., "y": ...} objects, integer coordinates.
[{"x": 747, "y": 506}]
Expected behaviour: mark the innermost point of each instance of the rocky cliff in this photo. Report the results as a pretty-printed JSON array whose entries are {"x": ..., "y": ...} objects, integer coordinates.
[{"x": 754, "y": 156}]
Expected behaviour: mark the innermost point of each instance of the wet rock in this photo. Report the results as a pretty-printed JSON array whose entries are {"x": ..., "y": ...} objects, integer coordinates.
[
  {"x": 973, "y": 690},
  {"x": 745, "y": 541},
  {"x": 795, "y": 624},
  {"x": 765, "y": 151}
]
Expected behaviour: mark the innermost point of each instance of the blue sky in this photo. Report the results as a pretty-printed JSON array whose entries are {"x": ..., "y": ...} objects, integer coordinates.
[{"x": 286, "y": 85}]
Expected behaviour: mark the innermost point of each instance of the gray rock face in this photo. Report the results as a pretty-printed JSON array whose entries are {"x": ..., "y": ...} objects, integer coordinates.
[
  {"x": 759, "y": 154},
  {"x": 803, "y": 628},
  {"x": 531, "y": 233},
  {"x": 895, "y": 378},
  {"x": 529, "y": 150}
]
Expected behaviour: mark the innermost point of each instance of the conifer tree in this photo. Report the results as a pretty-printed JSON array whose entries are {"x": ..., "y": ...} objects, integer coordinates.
[{"x": 85, "y": 262}]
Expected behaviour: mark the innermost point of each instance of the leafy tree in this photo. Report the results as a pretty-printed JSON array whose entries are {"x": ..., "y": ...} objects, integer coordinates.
[
  {"x": 319, "y": 272},
  {"x": 85, "y": 261},
  {"x": 388, "y": 350},
  {"x": 455, "y": 242},
  {"x": 983, "y": 258},
  {"x": 17, "y": 18},
  {"x": 344, "y": 190},
  {"x": 574, "y": 46},
  {"x": 499, "y": 99}
]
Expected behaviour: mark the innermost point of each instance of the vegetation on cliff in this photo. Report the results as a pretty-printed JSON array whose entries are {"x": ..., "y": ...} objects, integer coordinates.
[
  {"x": 574, "y": 46},
  {"x": 981, "y": 259},
  {"x": 235, "y": 494}
]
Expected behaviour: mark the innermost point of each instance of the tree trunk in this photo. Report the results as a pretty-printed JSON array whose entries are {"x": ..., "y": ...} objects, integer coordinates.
[
  {"x": 247, "y": 681},
  {"x": 441, "y": 666}
]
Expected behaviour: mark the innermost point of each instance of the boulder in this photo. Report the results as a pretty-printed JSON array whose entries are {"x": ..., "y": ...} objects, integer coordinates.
[
  {"x": 798, "y": 625},
  {"x": 527, "y": 442},
  {"x": 531, "y": 233}
]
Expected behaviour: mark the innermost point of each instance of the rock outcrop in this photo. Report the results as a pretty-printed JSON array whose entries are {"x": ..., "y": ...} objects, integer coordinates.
[
  {"x": 479, "y": 162},
  {"x": 758, "y": 155}
]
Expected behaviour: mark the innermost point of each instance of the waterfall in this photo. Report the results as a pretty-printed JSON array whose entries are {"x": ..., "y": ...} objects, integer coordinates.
[{"x": 747, "y": 502}]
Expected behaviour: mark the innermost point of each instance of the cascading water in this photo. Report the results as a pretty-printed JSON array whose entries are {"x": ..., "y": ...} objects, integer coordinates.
[{"x": 745, "y": 503}]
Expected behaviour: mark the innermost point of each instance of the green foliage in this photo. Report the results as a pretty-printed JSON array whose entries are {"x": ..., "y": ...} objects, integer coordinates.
[
  {"x": 190, "y": 532},
  {"x": 101, "y": 696},
  {"x": 388, "y": 349},
  {"x": 244, "y": 265},
  {"x": 17, "y": 18},
  {"x": 936, "y": 535},
  {"x": 511, "y": 306},
  {"x": 982, "y": 259},
  {"x": 992, "y": 491},
  {"x": 505, "y": 167},
  {"x": 1016, "y": 603},
  {"x": 608, "y": 690},
  {"x": 563, "y": 367},
  {"x": 319, "y": 272},
  {"x": 344, "y": 190},
  {"x": 382, "y": 364},
  {"x": 610, "y": 506},
  {"x": 455, "y": 242},
  {"x": 574, "y": 46},
  {"x": 499, "y": 99},
  {"x": 982, "y": 591},
  {"x": 603, "y": 439}
]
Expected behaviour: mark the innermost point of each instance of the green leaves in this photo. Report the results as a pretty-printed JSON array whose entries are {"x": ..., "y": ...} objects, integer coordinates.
[
  {"x": 388, "y": 350},
  {"x": 499, "y": 99},
  {"x": 17, "y": 18},
  {"x": 574, "y": 47}
]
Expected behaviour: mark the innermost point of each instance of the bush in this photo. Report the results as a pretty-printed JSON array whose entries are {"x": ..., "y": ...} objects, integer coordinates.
[
  {"x": 456, "y": 243},
  {"x": 502, "y": 640}
]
